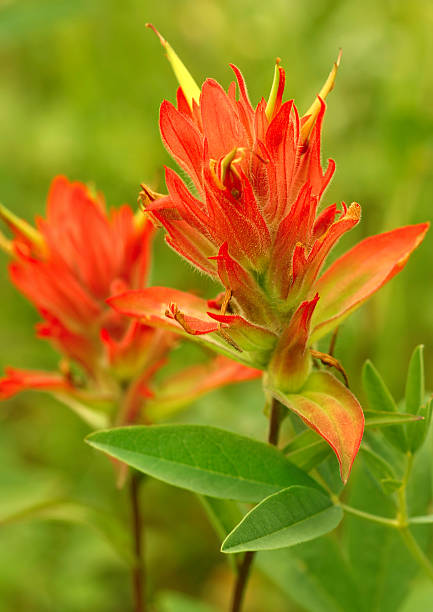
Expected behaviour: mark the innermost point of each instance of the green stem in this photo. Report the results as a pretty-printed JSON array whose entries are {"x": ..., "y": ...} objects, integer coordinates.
[
  {"x": 275, "y": 419},
  {"x": 374, "y": 518},
  {"x": 138, "y": 575},
  {"x": 241, "y": 581}
]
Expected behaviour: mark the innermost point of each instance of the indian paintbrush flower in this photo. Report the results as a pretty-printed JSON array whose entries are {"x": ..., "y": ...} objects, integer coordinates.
[
  {"x": 252, "y": 220},
  {"x": 76, "y": 258}
]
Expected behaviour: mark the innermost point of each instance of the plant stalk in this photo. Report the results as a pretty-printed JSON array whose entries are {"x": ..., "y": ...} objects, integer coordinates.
[
  {"x": 138, "y": 571},
  {"x": 241, "y": 581},
  {"x": 276, "y": 416},
  {"x": 374, "y": 518}
]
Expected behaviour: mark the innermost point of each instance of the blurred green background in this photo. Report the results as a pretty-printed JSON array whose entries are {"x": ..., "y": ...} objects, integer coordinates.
[{"x": 80, "y": 87}]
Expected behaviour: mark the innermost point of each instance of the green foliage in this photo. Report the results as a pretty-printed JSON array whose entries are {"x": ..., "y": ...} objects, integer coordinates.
[
  {"x": 413, "y": 425},
  {"x": 307, "y": 450},
  {"x": 380, "y": 399},
  {"x": 415, "y": 386},
  {"x": 316, "y": 575},
  {"x": 417, "y": 433},
  {"x": 203, "y": 459},
  {"x": 416, "y": 402},
  {"x": 291, "y": 516},
  {"x": 381, "y": 469},
  {"x": 384, "y": 573}
]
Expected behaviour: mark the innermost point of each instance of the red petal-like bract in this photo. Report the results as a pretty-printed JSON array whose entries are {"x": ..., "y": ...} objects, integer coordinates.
[
  {"x": 17, "y": 380},
  {"x": 360, "y": 272},
  {"x": 328, "y": 407}
]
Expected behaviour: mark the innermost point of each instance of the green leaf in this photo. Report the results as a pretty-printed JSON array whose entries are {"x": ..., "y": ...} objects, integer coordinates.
[
  {"x": 415, "y": 381},
  {"x": 384, "y": 568},
  {"x": 203, "y": 459},
  {"x": 381, "y": 469},
  {"x": 390, "y": 485},
  {"x": 296, "y": 514},
  {"x": 307, "y": 450},
  {"x": 380, "y": 400},
  {"x": 417, "y": 432},
  {"x": 381, "y": 418},
  {"x": 307, "y": 576}
]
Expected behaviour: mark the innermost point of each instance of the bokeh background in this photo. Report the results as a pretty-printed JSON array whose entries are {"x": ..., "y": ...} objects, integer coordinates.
[{"x": 80, "y": 87}]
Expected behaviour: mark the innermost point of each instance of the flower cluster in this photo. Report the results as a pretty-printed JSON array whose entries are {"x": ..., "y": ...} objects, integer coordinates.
[
  {"x": 253, "y": 220},
  {"x": 76, "y": 258}
]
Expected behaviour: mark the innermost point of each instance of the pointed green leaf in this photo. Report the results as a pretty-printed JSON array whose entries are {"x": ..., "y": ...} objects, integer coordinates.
[
  {"x": 417, "y": 432},
  {"x": 380, "y": 399},
  {"x": 391, "y": 485},
  {"x": 203, "y": 459},
  {"x": 381, "y": 418},
  {"x": 415, "y": 381},
  {"x": 381, "y": 469},
  {"x": 377, "y": 464},
  {"x": 316, "y": 576},
  {"x": 291, "y": 516},
  {"x": 307, "y": 450}
]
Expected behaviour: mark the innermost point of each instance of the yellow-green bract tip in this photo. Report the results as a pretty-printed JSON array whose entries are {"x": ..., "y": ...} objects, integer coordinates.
[
  {"x": 21, "y": 227},
  {"x": 313, "y": 111},
  {"x": 183, "y": 76},
  {"x": 273, "y": 93}
]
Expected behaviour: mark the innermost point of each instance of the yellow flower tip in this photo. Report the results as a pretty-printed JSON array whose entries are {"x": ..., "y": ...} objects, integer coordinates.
[
  {"x": 189, "y": 87},
  {"x": 270, "y": 106},
  {"x": 314, "y": 109},
  {"x": 19, "y": 226}
]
